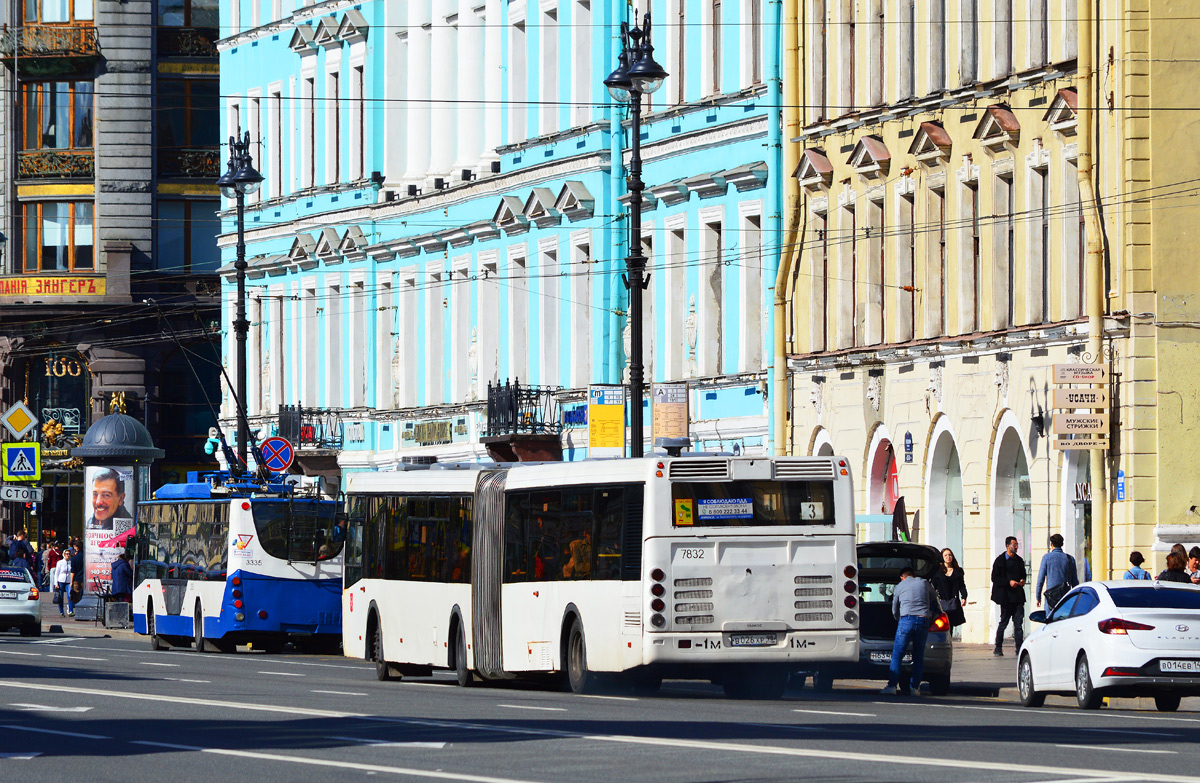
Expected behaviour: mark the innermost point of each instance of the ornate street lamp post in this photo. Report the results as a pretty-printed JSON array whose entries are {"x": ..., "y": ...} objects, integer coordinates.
[
  {"x": 637, "y": 74},
  {"x": 238, "y": 180}
]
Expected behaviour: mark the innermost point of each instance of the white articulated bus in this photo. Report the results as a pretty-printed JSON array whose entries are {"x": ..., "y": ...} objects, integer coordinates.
[{"x": 738, "y": 570}]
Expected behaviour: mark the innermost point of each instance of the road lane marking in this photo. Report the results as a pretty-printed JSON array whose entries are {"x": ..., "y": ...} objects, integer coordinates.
[
  {"x": 75, "y": 657},
  {"x": 531, "y": 707},
  {"x": 284, "y": 674},
  {"x": 153, "y": 663},
  {"x": 374, "y": 743},
  {"x": 48, "y": 708},
  {"x": 831, "y": 712},
  {"x": 63, "y": 640},
  {"x": 1123, "y": 731},
  {"x": 337, "y": 764},
  {"x": 60, "y": 733},
  {"x": 598, "y": 696},
  {"x": 18, "y": 756},
  {"x": 676, "y": 744},
  {"x": 14, "y": 652},
  {"x": 342, "y": 693},
  {"x": 180, "y": 679},
  {"x": 1119, "y": 750},
  {"x": 1060, "y": 711}
]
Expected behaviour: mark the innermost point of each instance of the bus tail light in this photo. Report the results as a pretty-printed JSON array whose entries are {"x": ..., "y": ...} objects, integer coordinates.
[
  {"x": 851, "y": 602},
  {"x": 237, "y": 593},
  {"x": 237, "y": 604},
  {"x": 657, "y": 620},
  {"x": 262, "y": 614},
  {"x": 940, "y": 623},
  {"x": 850, "y": 617},
  {"x": 657, "y": 590},
  {"x": 850, "y": 572},
  {"x": 237, "y": 580},
  {"x": 239, "y": 617},
  {"x": 658, "y": 575},
  {"x": 850, "y": 587},
  {"x": 657, "y": 605}
]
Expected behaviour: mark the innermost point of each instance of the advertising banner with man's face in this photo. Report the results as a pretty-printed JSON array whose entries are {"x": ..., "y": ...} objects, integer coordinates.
[{"x": 109, "y": 494}]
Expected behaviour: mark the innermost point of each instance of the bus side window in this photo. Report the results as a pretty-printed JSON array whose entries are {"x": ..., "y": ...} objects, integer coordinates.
[
  {"x": 575, "y": 534},
  {"x": 516, "y": 514},
  {"x": 610, "y": 514}
]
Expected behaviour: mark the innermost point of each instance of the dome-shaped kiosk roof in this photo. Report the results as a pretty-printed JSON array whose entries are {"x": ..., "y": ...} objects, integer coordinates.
[{"x": 118, "y": 437}]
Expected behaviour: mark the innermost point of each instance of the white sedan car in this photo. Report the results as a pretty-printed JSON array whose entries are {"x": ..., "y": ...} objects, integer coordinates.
[
  {"x": 1128, "y": 638},
  {"x": 20, "y": 606}
]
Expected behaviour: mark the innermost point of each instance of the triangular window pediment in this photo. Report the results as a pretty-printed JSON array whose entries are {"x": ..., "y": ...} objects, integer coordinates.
[
  {"x": 575, "y": 201},
  {"x": 302, "y": 247},
  {"x": 931, "y": 144},
  {"x": 870, "y": 157},
  {"x": 325, "y": 36},
  {"x": 353, "y": 243},
  {"x": 353, "y": 27},
  {"x": 815, "y": 170},
  {"x": 302, "y": 40},
  {"x": 998, "y": 128},
  {"x": 1062, "y": 114},
  {"x": 510, "y": 216},
  {"x": 539, "y": 207},
  {"x": 327, "y": 245}
]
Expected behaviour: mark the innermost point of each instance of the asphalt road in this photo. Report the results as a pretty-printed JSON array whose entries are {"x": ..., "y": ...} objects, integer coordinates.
[{"x": 93, "y": 709}]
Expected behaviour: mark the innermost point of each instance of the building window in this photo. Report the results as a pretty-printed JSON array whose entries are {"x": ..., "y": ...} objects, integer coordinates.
[
  {"x": 849, "y": 56},
  {"x": 1004, "y": 38},
  {"x": 1005, "y": 235},
  {"x": 908, "y": 45},
  {"x": 874, "y": 328},
  {"x": 358, "y": 124},
  {"x": 755, "y": 43},
  {"x": 549, "y": 278},
  {"x": 907, "y": 268},
  {"x": 187, "y": 13},
  {"x": 56, "y": 116},
  {"x": 57, "y": 11},
  {"x": 187, "y": 127},
  {"x": 751, "y": 261},
  {"x": 58, "y": 236},
  {"x": 677, "y": 47},
  {"x": 715, "y": 46},
  {"x": 712, "y": 294},
  {"x": 187, "y": 28},
  {"x": 308, "y": 132},
  {"x": 820, "y": 76},
  {"x": 937, "y": 45},
  {"x": 186, "y": 236},
  {"x": 938, "y": 208},
  {"x": 1041, "y": 193},
  {"x": 876, "y": 63},
  {"x": 333, "y": 128},
  {"x": 822, "y": 328},
  {"x": 581, "y": 68},
  {"x": 1039, "y": 32}
]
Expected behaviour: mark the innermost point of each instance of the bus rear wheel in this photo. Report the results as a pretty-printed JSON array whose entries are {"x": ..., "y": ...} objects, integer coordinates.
[
  {"x": 156, "y": 641},
  {"x": 383, "y": 670},
  {"x": 461, "y": 673},
  {"x": 202, "y": 644},
  {"x": 579, "y": 679}
]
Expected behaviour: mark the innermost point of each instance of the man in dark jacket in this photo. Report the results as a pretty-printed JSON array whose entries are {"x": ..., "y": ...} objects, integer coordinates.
[
  {"x": 77, "y": 565},
  {"x": 122, "y": 579},
  {"x": 1008, "y": 590}
]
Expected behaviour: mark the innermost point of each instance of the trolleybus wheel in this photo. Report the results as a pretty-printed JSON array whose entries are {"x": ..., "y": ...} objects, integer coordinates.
[
  {"x": 579, "y": 678},
  {"x": 156, "y": 641},
  {"x": 383, "y": 670},
  {"x": 461, "y": 672}
]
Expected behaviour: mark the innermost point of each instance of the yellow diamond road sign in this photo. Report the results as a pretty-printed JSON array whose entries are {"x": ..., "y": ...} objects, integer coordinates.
[{"x": 19, "y": 420}]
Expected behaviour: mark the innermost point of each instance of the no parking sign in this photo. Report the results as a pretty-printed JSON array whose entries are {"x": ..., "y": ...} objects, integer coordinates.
[{"x": 277, "y": 454}]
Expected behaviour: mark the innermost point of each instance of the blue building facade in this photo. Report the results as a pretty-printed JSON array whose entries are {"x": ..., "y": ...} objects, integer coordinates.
[{"x": 444, "y": 207}]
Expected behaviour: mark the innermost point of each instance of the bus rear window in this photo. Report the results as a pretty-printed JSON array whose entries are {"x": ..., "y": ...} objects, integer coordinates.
[{"x": 751, "y": 503}]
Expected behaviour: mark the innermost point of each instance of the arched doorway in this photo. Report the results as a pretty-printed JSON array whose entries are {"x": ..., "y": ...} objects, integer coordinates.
[
  {"x": 1012, "y": 513},
  {"x": 944, "y": 501},
  {"x": 883, "y": 478}
]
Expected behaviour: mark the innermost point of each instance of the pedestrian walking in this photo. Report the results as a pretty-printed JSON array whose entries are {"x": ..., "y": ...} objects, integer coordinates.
[
  {"x": 1008, "y": 590},
  {"x": 1135, "y": 567},
  {"x": 62, "y": 582},
  {"x": 122, "y": 579},
  {"x": 77, "y": 567},
  {"x": 1174, "y": 571},
  {"x": 20, "y": 554},
  {"x": 951, "y": 586},
  {"x": 1057, "y": 573},
  {"x": 912, "y": 604}
]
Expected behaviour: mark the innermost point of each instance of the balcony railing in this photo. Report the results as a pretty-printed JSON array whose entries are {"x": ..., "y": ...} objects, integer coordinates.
[
  {"x": 56, "y": 164},
  {"x": 513, "y": 409},
  {"x": 187, "y": 42},
  {"x": 311, "y": 428},
  {"x": 201, "y": 163},
  {"x": 48, "y": 50}
]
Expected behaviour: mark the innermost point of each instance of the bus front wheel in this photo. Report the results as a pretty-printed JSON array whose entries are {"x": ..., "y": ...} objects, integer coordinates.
[{"x": 579, "y": 678}]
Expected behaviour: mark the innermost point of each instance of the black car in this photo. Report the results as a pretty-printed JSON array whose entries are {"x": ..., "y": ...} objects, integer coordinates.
[{"x": 879, "y": 566}]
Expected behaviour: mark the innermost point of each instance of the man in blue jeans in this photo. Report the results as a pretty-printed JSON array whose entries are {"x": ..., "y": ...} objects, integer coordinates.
[{"x": 912, "y": 605}]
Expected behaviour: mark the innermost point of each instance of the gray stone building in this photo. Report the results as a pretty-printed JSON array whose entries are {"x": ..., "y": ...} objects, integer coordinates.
[{"x": 109, "y": 151}]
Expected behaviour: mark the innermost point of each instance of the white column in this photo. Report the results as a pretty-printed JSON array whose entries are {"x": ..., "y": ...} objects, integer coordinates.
[
  {"x": 470, "y": 86},
  {"x": 419, "y": 67},
  {"x": 493, "y": 79},
  {"x": 444, "y": 91}
]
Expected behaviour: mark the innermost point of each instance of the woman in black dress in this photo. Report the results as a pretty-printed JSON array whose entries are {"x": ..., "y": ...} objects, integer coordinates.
[{"x": 951, "y": 588}]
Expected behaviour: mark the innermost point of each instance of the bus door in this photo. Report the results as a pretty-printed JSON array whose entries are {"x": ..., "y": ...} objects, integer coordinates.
[{"x": 487, "y": 568}]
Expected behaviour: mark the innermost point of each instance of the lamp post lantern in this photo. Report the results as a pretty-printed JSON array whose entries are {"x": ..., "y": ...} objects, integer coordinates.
[
  {"x": 637, "y": 74},
  {"x": 239, "y": 179}
]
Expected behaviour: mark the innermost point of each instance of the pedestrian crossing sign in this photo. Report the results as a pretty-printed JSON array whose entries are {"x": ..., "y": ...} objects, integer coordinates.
[{"x": 22, "y": 461}]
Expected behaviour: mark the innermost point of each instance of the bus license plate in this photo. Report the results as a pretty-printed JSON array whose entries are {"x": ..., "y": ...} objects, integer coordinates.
[
  {"x": 7, "y": 594},
  {"x": 1170, "y": 666},
  {"x": 753, "y": 640}
]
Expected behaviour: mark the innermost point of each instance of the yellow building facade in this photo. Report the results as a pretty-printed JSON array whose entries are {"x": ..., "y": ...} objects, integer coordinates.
[{"x": 938, "y": 269}]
